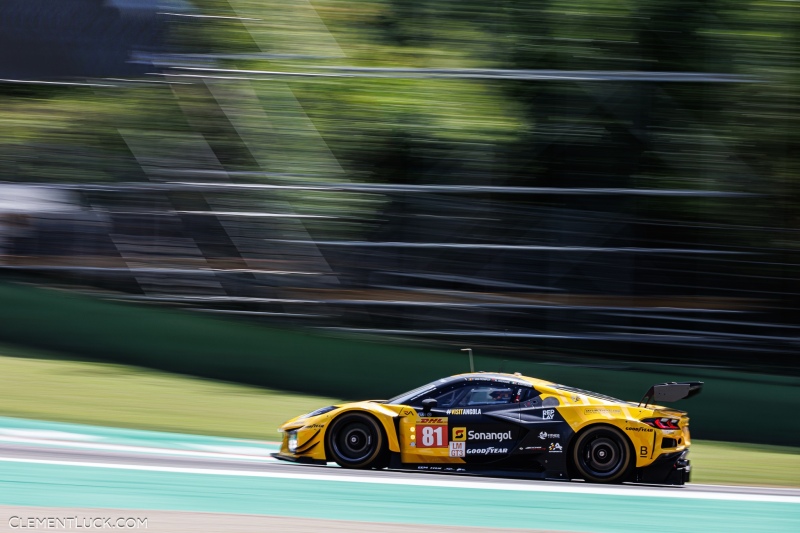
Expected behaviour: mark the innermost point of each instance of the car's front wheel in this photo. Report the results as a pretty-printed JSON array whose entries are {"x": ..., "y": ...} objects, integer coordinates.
[
  {"x": 602, "y": 455},
  {"x": 356, "y": 440}
]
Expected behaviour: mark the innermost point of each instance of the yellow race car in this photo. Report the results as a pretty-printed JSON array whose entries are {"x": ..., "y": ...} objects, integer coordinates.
[{"x": 503, "y": 424}]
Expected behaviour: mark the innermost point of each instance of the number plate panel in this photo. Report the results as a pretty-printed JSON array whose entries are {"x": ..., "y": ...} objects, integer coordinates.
[{"x": 431, "y": 435}]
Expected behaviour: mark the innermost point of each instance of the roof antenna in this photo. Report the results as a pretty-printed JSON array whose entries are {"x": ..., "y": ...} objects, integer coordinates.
[{"x": 471, "y": 362}]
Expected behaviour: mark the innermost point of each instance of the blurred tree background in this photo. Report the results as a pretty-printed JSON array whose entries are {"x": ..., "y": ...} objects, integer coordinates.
[{"x": 559, "y": 178}]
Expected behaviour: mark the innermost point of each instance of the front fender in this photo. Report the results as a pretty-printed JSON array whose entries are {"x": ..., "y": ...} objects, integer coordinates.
[
  {"x": 385, "y": 415},
  {"x": 311, "y": 432}
]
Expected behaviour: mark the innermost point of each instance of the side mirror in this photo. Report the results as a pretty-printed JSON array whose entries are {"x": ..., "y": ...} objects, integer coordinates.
[{"x": 429, "y": 404}]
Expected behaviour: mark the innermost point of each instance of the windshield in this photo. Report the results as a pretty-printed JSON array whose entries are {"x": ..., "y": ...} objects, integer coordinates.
[{"x": 410, "y": 395}]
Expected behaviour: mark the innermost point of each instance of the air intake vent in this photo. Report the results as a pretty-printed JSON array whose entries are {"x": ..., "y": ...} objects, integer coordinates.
[{"x": 669, "y": 443}]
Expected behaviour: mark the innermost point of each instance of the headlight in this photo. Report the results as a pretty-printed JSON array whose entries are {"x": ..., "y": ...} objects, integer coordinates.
[{"x": 292, "y": 443}]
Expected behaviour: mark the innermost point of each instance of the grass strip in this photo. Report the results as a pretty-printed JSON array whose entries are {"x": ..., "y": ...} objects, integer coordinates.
[{"x": 40, "y": 386}]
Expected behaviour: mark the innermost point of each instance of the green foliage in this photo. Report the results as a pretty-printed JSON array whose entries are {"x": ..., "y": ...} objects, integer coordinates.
[
  {"x": 720, "y": 136},
  {"x": 729, "y": 137}
]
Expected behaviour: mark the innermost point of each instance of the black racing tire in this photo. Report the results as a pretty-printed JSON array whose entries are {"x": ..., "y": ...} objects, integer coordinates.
[
  {"x": 357, "y": 440},
  {"x": 602, "y": 454}
]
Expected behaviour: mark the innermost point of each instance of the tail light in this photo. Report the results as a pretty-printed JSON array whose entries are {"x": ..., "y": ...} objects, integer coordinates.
[{"x": 662, "y": 423}]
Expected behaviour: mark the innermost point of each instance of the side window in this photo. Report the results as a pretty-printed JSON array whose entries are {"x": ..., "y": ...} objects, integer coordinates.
[
  {"x": 469, "y": 394},
  {"x": 527, "y": 393},
  {"x": 447, "y": 399},
  {"x": 489, "y": 395}
]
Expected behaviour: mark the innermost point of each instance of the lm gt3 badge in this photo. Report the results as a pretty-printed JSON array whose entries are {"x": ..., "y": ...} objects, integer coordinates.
[{"x": 458, "y": 449}]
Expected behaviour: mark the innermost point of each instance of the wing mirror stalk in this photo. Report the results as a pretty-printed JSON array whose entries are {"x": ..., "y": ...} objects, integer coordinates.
[{"x": 428, "y": 405}]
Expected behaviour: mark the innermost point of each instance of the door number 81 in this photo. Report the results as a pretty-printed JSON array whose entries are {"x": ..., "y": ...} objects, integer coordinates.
[{"x": 431, "y": 436}]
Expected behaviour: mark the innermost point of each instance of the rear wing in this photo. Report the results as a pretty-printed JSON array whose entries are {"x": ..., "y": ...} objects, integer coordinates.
[{"x": 671, "y": 392}]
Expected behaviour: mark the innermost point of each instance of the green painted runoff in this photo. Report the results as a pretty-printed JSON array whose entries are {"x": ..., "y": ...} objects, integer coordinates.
[{"x": 74, "y": 486}]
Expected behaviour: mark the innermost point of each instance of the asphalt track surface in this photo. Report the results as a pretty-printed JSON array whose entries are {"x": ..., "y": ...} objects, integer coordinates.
[
  {"x": 266, "y": 466},
  {"x": 183, "y": 483}
]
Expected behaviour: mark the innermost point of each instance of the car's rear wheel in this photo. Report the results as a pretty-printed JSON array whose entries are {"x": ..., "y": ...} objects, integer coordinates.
[
  {"x": 602, "y": 454},
  {"x": 356, "y": 440}
]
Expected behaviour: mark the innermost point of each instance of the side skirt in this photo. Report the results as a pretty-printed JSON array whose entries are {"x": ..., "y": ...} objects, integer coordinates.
[{"x": 474, "y": 470}]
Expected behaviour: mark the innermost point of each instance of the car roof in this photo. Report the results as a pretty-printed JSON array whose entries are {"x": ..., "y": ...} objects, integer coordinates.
[{"x": 500, "y": 377}]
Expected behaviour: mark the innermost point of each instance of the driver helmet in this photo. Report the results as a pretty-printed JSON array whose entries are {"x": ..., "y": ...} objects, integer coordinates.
[{"x": 501, "y": 394}]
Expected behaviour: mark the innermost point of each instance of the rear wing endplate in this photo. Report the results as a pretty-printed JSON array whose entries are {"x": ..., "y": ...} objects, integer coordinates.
[{"x": 671, "y": 392}]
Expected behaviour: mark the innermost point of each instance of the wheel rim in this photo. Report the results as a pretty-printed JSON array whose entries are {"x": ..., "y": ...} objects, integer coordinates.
[
  {"x": 354, "y": 442},
  {"x": 602, "y": 456}
]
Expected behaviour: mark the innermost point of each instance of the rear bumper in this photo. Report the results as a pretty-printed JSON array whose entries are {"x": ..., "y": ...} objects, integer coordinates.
[{"x": 670, "y": 469}]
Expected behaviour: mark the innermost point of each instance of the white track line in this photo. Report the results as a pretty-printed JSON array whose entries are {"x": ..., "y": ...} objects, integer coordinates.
[
  {"x": 141, "y": 449},
  {"x": 48, "y": 434},
  {"x": 428, "y": 482}
]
